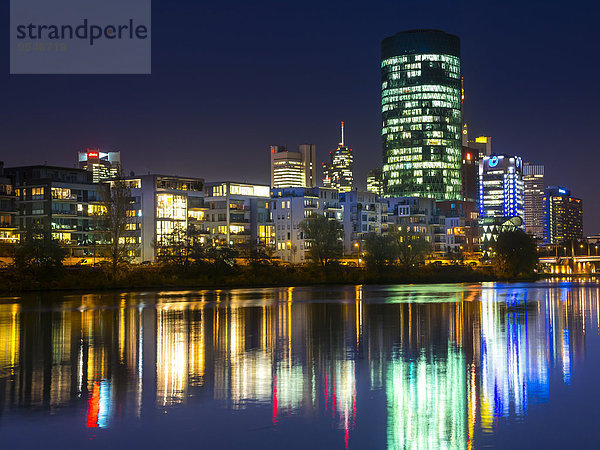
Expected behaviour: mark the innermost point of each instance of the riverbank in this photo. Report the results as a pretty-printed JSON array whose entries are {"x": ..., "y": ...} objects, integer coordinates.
[{"x": 165, "y": 277}]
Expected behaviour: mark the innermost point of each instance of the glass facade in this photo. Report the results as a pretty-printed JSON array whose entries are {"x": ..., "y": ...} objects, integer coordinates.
[
  {"x": 501, "y": 187},
  {"x": 533, "y": 180},
  {"x": 339, "y": 172},
  {"x": 421, "y": 111},
  {"x": 563, "y": 216}
]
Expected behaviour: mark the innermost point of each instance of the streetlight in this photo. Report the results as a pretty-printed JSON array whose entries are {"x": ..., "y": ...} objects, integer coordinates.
[{"x": 357, "y": 247}]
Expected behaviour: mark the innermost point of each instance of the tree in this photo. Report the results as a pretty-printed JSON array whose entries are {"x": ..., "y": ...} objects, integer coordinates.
[
  {"x": 178, "y": 247},
  {"x": 39, "y": 251},
  {"x": 325, "y": 237},
  {"x": 412, "y": 247},
  {"x": 121, "y": 244},
  {"x": 255, "y": 254},
  {"x": 516, "y": 254},
  {"x": 221, "y": 257},
  {"x": 380, "y": 251}
]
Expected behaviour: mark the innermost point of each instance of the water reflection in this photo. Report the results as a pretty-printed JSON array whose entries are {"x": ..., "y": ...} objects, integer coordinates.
[{"x": 449, "y": 361}]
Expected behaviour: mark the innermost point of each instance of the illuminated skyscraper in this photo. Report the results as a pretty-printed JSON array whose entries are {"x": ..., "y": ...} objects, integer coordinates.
[
  {"x": 470, "y": 170},
  {"x": 293, "y": 169},
  {"x": 563, "y": 216},
  {"x": 375, "y": 181},
  {"x": 501, "y": 187},
  {"x": 500, "y": 196},
  {"x": 103, "y": 165},
  {"x": 421, "y": 109},
  {"x": 338, "y": 172},
  {"x": 533, "y": 180}
]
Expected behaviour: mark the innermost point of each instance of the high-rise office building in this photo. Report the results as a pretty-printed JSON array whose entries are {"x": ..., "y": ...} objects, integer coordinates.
[
  {"x": 500, "y": 196},
  {"x": 470, "y": 174},
  {"x": 293, "y": 168},
  {"x": 421, "y": 109},
  {"x": 103, "y": 165},
  {"x": 375, "y": 181},
  {"x": 563, "y": 216},
  {"x": 483, "y": 145},
  {"x": 501, "y": 186},
  {"x": 533, "y": 181},
  {"x": 338, "y": 173}
]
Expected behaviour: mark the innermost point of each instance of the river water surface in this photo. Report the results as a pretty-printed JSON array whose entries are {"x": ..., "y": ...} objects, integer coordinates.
[{"x": 369, "y": 367}]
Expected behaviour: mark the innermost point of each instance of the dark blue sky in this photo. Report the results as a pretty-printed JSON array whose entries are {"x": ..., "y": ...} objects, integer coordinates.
[{"x": 231, "y": 78}]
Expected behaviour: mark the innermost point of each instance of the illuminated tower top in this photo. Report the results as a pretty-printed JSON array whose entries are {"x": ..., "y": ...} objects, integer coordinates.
[{"x": 339, "y": 171}]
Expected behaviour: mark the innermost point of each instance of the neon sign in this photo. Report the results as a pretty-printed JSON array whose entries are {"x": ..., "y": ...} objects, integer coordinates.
[
  {"x": 93, "y": 155},
  {"x": 493, "y": 161}
]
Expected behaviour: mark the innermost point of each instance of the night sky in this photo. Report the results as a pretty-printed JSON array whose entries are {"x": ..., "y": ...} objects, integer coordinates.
[{"x": 231, "y": 78}]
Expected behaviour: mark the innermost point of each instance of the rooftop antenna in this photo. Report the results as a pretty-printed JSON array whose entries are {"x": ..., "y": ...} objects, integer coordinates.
[{"x": 342, "y": 143}]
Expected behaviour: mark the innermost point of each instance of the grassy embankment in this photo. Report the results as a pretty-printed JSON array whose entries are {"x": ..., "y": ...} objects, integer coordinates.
[{"x": 161, "y": 277}]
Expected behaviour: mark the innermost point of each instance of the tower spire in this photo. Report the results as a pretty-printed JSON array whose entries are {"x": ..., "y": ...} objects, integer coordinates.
[{"x": 342, "y": 143}]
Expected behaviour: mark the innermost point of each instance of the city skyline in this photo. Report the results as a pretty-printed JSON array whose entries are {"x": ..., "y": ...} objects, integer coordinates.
[{"x": 193, "y": 118}]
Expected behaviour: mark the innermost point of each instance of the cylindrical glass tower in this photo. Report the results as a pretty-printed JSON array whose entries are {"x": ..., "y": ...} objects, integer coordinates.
[{"x": 421, "y": 108}]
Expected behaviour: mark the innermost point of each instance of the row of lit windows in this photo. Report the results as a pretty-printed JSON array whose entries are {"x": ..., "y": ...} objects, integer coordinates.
[
  {"x": 419, "y": 150},
  {"x": 452, "y": 176},
  {"x": 422, "y": 100},
  {"x": 422, "y": 140},
  {"x": 170, "y": 206},
  {"x": 409, "y": 161},
  {"x": 418, "y": 90},
  {"x": 453, "y": 66},
  {"x": 416, "y": 119},
  {"x": 415, "y": 107},
  {"x": 452, "y": 129},
  {"x": 395, "y": 60},
  {"x": 415, "y": 73}
]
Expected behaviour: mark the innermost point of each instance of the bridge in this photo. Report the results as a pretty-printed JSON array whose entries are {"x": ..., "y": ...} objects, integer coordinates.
[{"x": 571, "y": 264}]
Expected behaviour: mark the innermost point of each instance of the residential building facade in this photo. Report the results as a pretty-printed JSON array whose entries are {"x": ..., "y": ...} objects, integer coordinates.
[
  {"x": 161, "y": 204},
  {"x": 363, "y": 213},
  {"x": 418, "y": 216},
  {"x": 61, "y": 202},
  {"x": 8, "y": 210},
  {"x": 291, "y": 207},
  {"x": 238, "y": 213},
  {"x": 462, "y": 226}
]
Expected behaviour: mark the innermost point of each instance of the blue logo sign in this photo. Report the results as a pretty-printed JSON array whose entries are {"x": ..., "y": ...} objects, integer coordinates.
[{"x": 493, "y": 161}]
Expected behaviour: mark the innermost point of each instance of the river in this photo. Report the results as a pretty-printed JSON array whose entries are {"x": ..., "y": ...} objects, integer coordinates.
[{"x": 421, "y": 366}]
